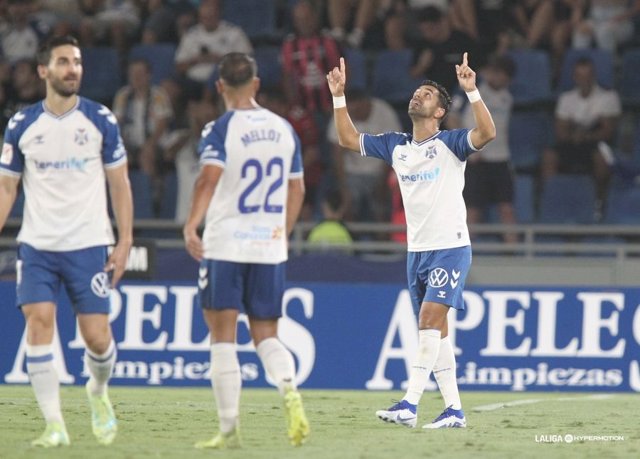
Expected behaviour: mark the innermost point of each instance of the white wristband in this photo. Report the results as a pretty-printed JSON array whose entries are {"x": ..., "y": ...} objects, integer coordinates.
[
  {"x": 339, "y": 102},
  {"x": 474, "y": 96}
]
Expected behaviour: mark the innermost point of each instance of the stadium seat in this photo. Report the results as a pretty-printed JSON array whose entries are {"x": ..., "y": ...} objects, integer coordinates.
[
  {"x": 256, "y": 17},
  {"x": 529, "y": 133},
  {"x": 603, "y": 63},
  {"x": 630, "y": 77},
  {"x": 532, "y": 81},
  {"x": 623, "y": 206},
  {"x": 142, "y": 194},
  {"x": 269, "y": 66},
  {"x": 567, "y": 199},
  {"x": 523, "y": 199},
  {"x": 160, "y": 56},
  {"x": 391, "y": 79},
  {"x": 356, "y": 69},
  {"x": 102, "y": 74}
]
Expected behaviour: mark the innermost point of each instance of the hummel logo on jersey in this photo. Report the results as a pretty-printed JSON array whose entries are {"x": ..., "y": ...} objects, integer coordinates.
[
  {"x": 438, "y": 278},
  {"x": 13, "y": 122},
  {"x": 442, "y": 294},
  {"x": 202, "y": 278},
  {"x": 38, "y": 140},
  {"x": 402, "y": 157},
  {"x": 456, "y": 275},
  {"x": 207, "y": 128},
  {"x": 104, "y": 111}
]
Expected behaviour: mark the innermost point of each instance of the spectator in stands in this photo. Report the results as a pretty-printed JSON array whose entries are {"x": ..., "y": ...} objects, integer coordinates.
[
  {"x": 307, "y": 55},
  {"x": 364, "y": 183},
  {"x": 203, "y": 45},
  {"x": 440, "y": 48},
  {"x": 144, "y": 114},
  {"x": 487, "y": 21},
  {"x": 19, "y": 39},
  {"x": 182, "y": 146},
  {"x": 544, "y": 24},
  {"x": 489, "y": 175},
  {"x": 585, "y": 116},
  {"x": 608, "y": 23},
  {"x": 304, "y": 124},
  {"x": 359, "y": 13},
  {"x": 62, "y": 17},
  {"x": 114, "y": 22},
  {"x": 159, "y": 25},
  {"x": 25, "y": 88},
  {"x": 331, "y": 232}
]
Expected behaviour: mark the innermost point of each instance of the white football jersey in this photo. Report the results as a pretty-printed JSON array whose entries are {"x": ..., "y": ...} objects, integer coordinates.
[
  {"x": 431, "y": 178},
  {"x": 61, "y": 160},
  {"x": 259, "y": 152}
]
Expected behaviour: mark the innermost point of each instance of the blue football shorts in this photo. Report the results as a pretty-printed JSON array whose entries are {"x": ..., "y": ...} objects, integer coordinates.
[
  {"x": 254, "y": 288},
  {"x": 40, "y": 273},
  {"x": 438, "y": 276}
]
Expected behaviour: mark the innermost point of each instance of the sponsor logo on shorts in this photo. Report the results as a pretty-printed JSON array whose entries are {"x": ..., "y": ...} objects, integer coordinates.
[
  {"x": 438, "y": 278},
  {"x": 100, "y": 285}
]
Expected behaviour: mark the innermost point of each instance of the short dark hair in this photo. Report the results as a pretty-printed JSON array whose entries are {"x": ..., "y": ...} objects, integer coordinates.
[
  {"x": 443, "y": 95},
  {"x": 237, "y": 69},
  {"x": 44, "y": 53},
  {"x": 430, "y": 14}
]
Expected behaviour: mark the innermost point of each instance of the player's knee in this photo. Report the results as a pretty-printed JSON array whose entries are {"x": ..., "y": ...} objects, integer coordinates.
[{"x": 98, "y": 344}]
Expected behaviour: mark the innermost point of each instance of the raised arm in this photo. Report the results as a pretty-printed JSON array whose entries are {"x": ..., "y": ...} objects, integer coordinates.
[
  {"x": 485, "y": 130},
  {"x": 348, "y": 135}
]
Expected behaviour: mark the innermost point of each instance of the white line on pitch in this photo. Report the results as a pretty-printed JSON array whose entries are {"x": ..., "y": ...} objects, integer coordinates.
[{"x": 529, "y": 401}]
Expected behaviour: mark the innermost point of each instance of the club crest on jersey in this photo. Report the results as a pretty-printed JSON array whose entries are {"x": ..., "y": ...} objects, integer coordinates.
[
  {"x": 81, "y": 136},
  {"x": 431, "y": 152}
]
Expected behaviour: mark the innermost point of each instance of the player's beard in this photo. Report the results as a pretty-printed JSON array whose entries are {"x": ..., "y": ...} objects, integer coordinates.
[{"x": 63, "y": 88}]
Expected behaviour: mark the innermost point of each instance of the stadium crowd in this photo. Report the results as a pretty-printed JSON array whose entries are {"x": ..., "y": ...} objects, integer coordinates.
[{"x": 561, "y": 77}]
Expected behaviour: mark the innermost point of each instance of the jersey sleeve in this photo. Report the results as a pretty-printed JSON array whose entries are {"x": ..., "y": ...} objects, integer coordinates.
[
  {"x": 211, "y": 149},
  {"x": 379, "y": 146},
  {"x": 296, "y": 162},
  {"x": 113, "y": 152},
  {"x": 459, "y": 142},
  {"x": 12, "y": 158}
]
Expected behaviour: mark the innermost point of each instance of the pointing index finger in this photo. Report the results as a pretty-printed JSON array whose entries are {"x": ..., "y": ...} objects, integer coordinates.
[
  {"x": 342, "y": 69},
  {"x": 464, "y": 59}
]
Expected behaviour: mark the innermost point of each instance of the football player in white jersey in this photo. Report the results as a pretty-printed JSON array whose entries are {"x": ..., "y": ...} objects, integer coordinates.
[
  {"x": 429, "y": 164},
  {"x": 251, "y": 189},
  {"x": 63, "y": 149}
]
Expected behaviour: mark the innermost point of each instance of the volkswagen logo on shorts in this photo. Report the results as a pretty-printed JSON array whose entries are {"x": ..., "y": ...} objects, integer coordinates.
[
  {"x": 100, "y": 285},
  {"x": 438, "y": 278}
]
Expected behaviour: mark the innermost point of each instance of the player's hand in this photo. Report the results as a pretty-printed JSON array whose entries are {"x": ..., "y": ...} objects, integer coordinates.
[
  {"x": 337, "y": 79},
  {"x": 193, "y": 243},
  {"x": 117, "y": 262},
  {"x": 466, "y": 76}
]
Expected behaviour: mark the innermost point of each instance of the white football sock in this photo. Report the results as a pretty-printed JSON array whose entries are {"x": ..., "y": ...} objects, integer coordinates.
[
  {"x": 428, "y": 349},
  {"x": 278, "y": 362},
  {"x": 100, "y": 367},
  {"x": 226, "y": 382},
  {"x": 445, "y": 373},
  {"x": 44, "y": 380}
]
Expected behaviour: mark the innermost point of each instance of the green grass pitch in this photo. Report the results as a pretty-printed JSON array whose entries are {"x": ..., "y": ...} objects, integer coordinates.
[{"x": 166, "y": 422}]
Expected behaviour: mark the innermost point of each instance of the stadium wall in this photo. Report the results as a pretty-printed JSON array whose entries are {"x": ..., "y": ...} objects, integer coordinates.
[{"x": 362, "y": 335}]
